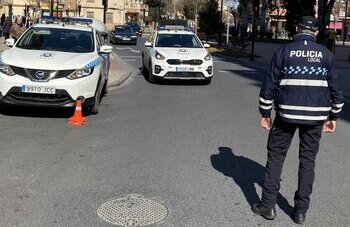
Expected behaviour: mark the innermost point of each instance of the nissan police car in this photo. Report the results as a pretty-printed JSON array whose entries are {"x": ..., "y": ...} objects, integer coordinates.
[
  {"x": 54, "y": 64},
  {"x": 176, "y": 53}
]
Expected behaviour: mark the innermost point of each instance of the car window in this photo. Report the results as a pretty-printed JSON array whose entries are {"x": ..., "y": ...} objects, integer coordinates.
[
  {"x": 178, "y": 40},
  {"x": 57, "y": 39},
  {"x": 100, "y": 40},
  {"x": 123, "y": 29}
]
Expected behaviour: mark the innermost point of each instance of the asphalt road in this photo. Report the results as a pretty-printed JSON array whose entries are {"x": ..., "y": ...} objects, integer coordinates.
[{"x": 196, "y": 149}]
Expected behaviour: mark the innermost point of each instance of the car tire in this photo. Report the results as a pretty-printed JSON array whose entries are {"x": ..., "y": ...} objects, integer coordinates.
[
  {"x": 151, "y": 77},
  {"x": 144, "y": 68},
  {"x": 95, "y": 108}
]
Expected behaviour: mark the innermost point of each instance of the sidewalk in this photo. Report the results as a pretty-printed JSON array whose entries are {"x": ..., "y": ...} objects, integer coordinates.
[
  {"x": 119, "y": 71},
  {"x": 265, "y": 51}
]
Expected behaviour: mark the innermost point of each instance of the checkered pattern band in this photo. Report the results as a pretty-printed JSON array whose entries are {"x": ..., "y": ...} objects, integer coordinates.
[
  {"x": 94, "y": 63},
  {"x": 304, "y": 70}
]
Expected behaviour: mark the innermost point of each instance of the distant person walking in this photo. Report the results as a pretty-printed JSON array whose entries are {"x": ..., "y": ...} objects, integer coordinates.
[
  {"x": 303, "y": 85},
  {"x": 6, "y": 28},
  {"x": 2, "y": 21},
  {"x": 17, "y": 28}
]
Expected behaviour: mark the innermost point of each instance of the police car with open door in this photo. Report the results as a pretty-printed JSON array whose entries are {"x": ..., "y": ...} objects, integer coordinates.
[{"x": 53, "y": 64}]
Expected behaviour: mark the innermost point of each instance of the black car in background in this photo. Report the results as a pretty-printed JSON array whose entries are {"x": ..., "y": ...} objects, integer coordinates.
[
  {"x": 136, "y": 27},
  {"x": 123, "y": 34}
]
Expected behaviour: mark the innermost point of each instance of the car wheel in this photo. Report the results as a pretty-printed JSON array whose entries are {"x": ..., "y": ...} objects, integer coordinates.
[
  {"x": 105, "y": 88},
  {"x": 151, "y": 77},
  {"x": 95, "y": 108},
  {"x": 144, "y": 68}
]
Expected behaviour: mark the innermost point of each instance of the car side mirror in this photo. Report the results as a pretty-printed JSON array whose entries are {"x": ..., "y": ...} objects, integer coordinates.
[
  {"x": 105, "y": 49},
  {"x": 148, "y": 44},
  {"x": 10, "y": 42},
  {"x": 206, "y": 45}
]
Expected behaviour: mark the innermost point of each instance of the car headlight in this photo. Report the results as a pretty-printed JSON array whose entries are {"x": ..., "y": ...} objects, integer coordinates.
[
  {"x": 6, "y": 69},
  {"x": 207, "y": 57},
  {"x": 133, "y": 36},
  {"x": 159, "y": 56},
  {"x": 118, "y": 36},
  {"x": 80, "y": 73}
]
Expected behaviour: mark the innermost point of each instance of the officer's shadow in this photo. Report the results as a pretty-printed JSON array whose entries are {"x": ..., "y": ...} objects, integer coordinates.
[{"x": 245, "y": 172}]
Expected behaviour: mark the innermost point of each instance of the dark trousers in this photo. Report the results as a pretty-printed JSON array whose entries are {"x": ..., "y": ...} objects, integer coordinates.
[{"x": 280, "y": 138}]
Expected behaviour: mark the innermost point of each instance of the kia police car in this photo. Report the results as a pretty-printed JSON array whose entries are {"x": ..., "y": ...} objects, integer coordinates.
[
  {"x": 54, "y": 64},
  {"x": 175, "y": 53}
]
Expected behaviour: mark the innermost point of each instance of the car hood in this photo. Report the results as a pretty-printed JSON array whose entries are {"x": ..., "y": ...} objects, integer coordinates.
[
  {"x": 46, "y": 60},
  {"x": 183, "y": 53}
]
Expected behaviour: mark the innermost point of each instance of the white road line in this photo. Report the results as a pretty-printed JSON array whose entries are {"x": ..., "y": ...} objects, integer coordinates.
[
  {"x": 130, "y": 56},
  {"x": 223, "y": 71},
  {"x": 128, "y": 48},
  {"x": 129, "y": 59}
]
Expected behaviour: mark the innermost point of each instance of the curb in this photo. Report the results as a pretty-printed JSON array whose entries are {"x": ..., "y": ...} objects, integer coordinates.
[{"x": 116, "y": 78}]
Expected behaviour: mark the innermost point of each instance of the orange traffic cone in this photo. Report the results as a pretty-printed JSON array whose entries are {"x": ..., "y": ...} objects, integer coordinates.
[{"x": 77, "y": 118}]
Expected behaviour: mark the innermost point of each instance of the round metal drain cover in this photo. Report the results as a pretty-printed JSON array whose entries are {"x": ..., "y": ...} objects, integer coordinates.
[{"x": 134, "y": 210}]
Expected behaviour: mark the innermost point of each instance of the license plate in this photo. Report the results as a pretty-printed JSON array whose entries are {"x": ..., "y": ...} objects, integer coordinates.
[
  {"x": 184, "y": 69},
  {"x": 125, "y": 38},
  {"x": 38, "y": 89}
]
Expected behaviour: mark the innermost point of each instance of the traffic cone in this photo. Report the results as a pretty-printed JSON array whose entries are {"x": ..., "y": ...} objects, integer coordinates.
[{"x": 77, "y": 118}]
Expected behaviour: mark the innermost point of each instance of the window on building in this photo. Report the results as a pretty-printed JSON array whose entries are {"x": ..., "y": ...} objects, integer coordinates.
[
  {"x": 109, "y": 18},
  {"x": 90, "y": 14}
]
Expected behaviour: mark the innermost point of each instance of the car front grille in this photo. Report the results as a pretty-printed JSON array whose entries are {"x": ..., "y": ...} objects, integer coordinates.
[
  {"x": 44, "y": 75},
  {"x": 61, "y": 98},
  {"x": 194, "y": 75},
  {"x": 184, "y": 62}
]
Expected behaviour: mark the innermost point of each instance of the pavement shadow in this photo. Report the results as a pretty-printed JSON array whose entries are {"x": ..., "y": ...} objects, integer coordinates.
[
  {"x": 245, "y": 173},
  {"x": 36, "y": 112}
]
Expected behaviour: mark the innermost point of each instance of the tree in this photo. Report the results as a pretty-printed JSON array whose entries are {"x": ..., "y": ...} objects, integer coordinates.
[
  {"x": 209, "y": 18},
  {"x": 297, "y": 9}
]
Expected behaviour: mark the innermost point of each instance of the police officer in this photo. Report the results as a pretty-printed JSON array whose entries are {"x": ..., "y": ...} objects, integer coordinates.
[{"x": 303, "y": 85}]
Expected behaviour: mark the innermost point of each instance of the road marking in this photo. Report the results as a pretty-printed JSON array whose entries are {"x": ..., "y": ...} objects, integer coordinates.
[
  {"x": 131, "y": 56},
  {"x": 129, "y": 59},
  {"x": 128, "y": 48},
  {"x": 223, "y": 71}
]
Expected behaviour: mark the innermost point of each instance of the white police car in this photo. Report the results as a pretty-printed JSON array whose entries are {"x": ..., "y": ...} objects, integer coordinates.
[
  {"x": 54, "y": 64},
  {"x": 175, "y": 53}
]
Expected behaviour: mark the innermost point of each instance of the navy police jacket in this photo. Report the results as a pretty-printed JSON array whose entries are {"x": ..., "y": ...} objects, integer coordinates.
[{"x": 302, "y": 83}]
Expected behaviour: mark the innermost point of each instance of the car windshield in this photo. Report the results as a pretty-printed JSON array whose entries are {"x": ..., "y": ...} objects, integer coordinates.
[
  {"x": 134, "y": 24},
  {"x": 178, "y": 40},
  {"x": 123, "y": 29},
  {"x": 57, "y": 39}
]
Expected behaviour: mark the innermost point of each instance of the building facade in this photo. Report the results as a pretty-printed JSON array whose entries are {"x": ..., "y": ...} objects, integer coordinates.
[{"x": 118, "y": 11}]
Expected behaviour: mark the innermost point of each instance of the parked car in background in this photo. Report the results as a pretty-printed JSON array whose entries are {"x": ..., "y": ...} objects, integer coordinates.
[
  {"x": 136, "y": 27},
  {"x": 123, "y": 34}
]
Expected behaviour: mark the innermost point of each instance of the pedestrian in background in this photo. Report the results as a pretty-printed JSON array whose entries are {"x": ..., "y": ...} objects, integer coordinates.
[
  {"x": 303, "y": 85},
  {"x": 6, "y": 27},
  {"x": 17, "y": 28},
  {"x": 2, "y": 21}
]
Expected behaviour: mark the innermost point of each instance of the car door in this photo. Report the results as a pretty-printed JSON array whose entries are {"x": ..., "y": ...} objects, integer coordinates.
[
  {"x": 147, "y": 50},
  {"x": 105, "y": 57}
]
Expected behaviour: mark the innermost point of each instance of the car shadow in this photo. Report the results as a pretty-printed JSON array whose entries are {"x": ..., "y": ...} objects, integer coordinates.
[
  {"x": 36, "y": 112},
  {"x": 245, "y": 173}
]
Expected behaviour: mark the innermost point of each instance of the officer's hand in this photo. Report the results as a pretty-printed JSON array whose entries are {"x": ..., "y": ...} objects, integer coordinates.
[
  {"x": 266, "y": 123},
  {"x": 329, "y": 126}
]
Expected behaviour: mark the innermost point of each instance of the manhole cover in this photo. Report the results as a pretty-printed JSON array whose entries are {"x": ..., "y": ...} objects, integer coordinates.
[{"x": 134, "y": 210}]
